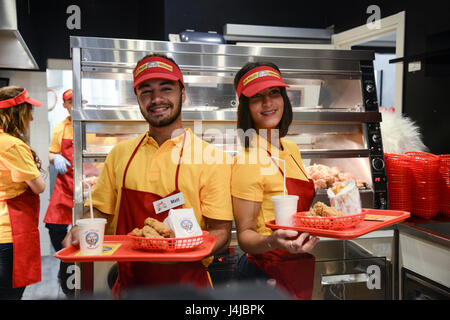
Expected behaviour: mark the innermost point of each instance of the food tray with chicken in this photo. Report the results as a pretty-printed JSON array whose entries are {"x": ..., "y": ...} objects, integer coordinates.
[
  {"x": 374, "y": 219},
  {"x": 330, "y": 223},
  {"x": 121, "y": 248},
  {"x": 167, "y": 244}
]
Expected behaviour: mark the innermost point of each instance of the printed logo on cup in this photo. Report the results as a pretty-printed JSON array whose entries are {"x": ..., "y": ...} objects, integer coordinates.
[
  {"x": 187, "y": 225},
  {"x": 92, "y": 239}
]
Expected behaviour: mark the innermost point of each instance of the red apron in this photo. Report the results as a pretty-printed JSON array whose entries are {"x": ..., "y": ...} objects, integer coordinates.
[
  {"x": 135, "y": 207},
  {"x": 293, "y": 272},
  {"x": 24, "y": 217},
  {"x": 60, "y": 207}
]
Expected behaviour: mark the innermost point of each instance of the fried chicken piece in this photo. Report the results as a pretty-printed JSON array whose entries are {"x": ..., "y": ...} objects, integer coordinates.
[
  {"x": 330, "y": 180},
  {"x": 160, "y": 227},
  {"x": 310, "y": 213},
  {"x": 337, "y": 188},
  {"x": 149, "y": 232},
  {"x": 137, "y": 232},
  {"x": 318, "y": 208},
  {"x": 320, "y": 183},
  {"x": 331, "y": 212},
  {"x": 321, "y": 209}
]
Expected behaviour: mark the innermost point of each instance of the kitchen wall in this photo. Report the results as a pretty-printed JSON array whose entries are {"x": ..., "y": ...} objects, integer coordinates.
[
  {"x": 36, "y": 85},
  {"x": 425, "y": 98},
  {"x": 381, "y": 63},
  {"x": 43, "y": 24}
]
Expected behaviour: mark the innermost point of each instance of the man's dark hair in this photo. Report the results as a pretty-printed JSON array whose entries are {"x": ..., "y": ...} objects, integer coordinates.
[{"x": 244, "y": 118}]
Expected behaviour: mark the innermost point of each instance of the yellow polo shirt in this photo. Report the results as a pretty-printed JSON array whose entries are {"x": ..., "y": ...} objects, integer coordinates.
[
  {"x": 16, "y": 166},
  {"x": 59, "y": 133},
  {"x": 94, "y": 143},
  {"x": 204, "y": 176},
  {"x": 256, "y": 178}
]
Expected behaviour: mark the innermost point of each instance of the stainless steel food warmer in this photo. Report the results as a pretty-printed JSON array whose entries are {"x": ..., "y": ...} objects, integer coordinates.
[{"x": 333, "y": 93}]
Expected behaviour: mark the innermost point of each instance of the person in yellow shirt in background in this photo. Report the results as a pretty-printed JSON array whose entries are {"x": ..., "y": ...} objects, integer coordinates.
[
  {"x": 20, "y": 186},
  {"x": 154, "y": 165},
  {"x": 265, "y": 109},
  {"x": 59, "y": 212}
]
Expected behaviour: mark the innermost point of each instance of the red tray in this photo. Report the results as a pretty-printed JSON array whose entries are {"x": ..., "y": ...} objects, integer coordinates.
[
  {"x": 384, "y": 218},
  {"x": 122, "y": 250}
]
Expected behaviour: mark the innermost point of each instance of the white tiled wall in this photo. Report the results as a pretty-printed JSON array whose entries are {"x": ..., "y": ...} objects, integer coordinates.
[{"x": 36, "y": 85}]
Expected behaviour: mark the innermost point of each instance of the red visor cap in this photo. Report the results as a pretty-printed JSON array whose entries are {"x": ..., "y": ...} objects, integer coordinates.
[
  {"x": 19, "y": 99},
  {"x": 156, "y": 68},
  {"x": 67, "y": 94},
  {"x": 258, "y": 79}
]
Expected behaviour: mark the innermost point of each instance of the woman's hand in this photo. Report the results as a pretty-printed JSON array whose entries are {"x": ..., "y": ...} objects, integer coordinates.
[{"x": 290, "y": 241}]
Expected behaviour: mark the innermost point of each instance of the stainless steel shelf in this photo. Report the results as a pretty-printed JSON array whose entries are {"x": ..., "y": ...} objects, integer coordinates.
[
  {"x": 116, "y": 114},
  {"x": 306, "y": 154},
  {"x": 145, "y": 46},
  {"x": 327, "y": 153}
]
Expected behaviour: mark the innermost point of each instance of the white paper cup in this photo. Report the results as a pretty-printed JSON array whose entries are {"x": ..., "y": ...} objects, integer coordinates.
[
  {"x": 285, "y": 207},
  {"x": 91, "y": 232}
]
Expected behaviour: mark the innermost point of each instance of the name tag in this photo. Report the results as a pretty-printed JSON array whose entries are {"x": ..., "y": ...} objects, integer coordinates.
[{"x": 168, "y": 203}]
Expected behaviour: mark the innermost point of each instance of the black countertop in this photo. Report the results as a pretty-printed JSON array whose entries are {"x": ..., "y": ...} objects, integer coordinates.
[{"x": 436, "y": 229}]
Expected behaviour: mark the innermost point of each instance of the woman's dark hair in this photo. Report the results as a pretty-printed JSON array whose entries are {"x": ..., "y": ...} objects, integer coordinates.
[
  {"x": 15, "y": 120},
  {"x": 244, "y": 118}
]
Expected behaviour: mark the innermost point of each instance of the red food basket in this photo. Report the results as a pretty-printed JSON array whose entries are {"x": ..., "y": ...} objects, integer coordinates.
[
  {"x": 167, "y": 244},
  {"x": 399, "y": 181},
  {"x": 444, "y": 172},
  {"x": 329, "y": 223},
  {"x": 375, "y": 219},
  {"x": 425, "y": 184}
]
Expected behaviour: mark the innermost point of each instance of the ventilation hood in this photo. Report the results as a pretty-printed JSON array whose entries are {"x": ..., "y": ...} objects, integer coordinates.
[{"x": 14, "y": 52}]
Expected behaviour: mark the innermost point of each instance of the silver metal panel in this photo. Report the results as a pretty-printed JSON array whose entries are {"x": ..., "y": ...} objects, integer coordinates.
[
  {"x": 362, "y": 117},
  {"x": 14, "y": 52},
  {"x": 78, "y": 137},
  {"x": 144, "y": 47},
  {"x": 333, "y": 154},
  {"x": 243, "y": 31},
  {"x": 8, "y": 16},
  {"x": 114, "y": 128},
  {"x": 220, "y": 63},
  {"x": 223, "y": 115}
]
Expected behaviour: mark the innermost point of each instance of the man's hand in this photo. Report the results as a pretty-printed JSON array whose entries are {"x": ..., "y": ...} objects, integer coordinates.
[
  {"x": 72, "y": 238},
  {"x": 60, "y": 163}
]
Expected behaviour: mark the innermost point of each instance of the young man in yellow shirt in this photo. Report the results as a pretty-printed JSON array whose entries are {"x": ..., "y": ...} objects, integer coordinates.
[{"x": 159, "y": 163}]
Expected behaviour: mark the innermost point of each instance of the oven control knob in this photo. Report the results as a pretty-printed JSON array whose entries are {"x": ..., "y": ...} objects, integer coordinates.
[
  {"x": 370, "y": 88},
  {"x": 376, "y": 138},
  {"x": 378, "y": 164}
]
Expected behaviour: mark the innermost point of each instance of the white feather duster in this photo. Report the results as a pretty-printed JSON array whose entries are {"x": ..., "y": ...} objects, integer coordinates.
[{"x": 400, "y": 134}]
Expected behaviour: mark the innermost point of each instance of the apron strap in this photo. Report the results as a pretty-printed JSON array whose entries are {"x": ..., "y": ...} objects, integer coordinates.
[
  {"x": 64, "y": 131},
  {"x": 129, "y": 161},
  {"x": 135, "y": 151},
  {"x": 281, "y": 171},
  {"x": 179, "y": 161},
  {"x": 299, "y": 166}
]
